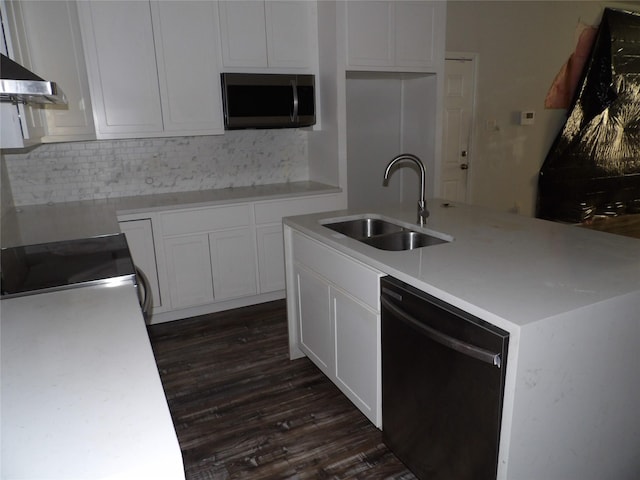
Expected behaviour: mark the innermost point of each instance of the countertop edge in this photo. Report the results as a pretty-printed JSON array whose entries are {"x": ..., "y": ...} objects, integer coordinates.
[
  {"x": 563, "y": 283},
  {"x": 31, "y": 224},
  {"x": 389, "y": 270}
]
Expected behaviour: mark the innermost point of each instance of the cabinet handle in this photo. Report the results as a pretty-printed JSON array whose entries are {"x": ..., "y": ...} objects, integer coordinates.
[
  {"x": 145, "y": 296},
  {"x": 294, "y": 115},
  {"x": 468, "y": 349}
]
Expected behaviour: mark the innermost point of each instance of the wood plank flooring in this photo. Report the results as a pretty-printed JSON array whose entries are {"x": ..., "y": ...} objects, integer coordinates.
[{"x": 242, "y": 409}]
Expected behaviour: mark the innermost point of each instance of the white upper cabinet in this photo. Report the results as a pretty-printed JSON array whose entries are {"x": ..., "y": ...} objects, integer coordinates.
[
  {"x": 289, "y": 25},
  {"x": 395, "y": 35},
  {"x": 152, "y": 67},
  {"x": 268, "y": 34},
  {"x": 53, "y": 34},
  {"x": 243, "y": 33},
  {"x": 188, "y": 72},
  {"x": 121, "y": 62}
]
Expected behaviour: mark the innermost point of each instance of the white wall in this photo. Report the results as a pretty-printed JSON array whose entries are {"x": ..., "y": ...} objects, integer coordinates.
[
  {"x": 323, "y": 143},
  {"x": 521, "y": 45},
  {"x": 389, "y": 114},
  {"x": 373, "y": 126}
]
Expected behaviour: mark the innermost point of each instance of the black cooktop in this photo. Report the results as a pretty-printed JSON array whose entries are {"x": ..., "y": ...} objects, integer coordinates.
[{"x": 53, "y": 266}]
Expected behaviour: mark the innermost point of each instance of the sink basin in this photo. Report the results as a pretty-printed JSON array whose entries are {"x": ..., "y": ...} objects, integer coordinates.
[
  {"x": 406, "y": 240},
  {"x": 383, "y": 234},
  {"x": 364, "y": 227}
]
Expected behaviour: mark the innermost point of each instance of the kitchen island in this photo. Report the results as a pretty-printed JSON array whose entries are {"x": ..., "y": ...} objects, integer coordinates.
[{"x": 568, "y": 297}]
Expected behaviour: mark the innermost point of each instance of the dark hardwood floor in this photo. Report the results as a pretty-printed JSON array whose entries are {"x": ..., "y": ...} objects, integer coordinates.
[{"x": 242, "y": 409}]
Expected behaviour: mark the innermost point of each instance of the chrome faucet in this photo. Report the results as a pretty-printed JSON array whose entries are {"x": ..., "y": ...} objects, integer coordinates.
[{"x": 423, "y": 213}]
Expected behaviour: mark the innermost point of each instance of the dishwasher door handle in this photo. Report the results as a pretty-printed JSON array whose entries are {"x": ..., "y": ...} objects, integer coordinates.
[{"x": 468, "y": 349}]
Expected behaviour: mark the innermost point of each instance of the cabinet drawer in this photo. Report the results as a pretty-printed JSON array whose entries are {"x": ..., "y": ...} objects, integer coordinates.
[
  {"x": 352, "y": 276},
  {"x": 273, "y": 212},
  {"x": 205, "y": 219}
]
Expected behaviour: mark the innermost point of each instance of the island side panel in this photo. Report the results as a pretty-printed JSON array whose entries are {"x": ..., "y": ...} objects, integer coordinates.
[
  {"x": 577, "y": 395},
  {"x": 292, "y": 303}
]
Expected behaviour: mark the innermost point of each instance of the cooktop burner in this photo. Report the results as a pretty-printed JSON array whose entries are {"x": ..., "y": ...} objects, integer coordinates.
[{"x": 32, "y": 269}]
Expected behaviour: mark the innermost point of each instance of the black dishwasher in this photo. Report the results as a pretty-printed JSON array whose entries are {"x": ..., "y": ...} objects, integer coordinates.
[{"x": 443, "y": 374}]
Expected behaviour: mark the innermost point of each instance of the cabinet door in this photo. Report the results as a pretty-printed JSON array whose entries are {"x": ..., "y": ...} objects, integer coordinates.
[
  {"x": 188, "y": 270},
  {"x": 233, "y": 263},
  {"x": 314, "y": 317},
  {"x": 243, "y": 33},
  {"x": 140, "y": 240},
  {"x": 415, "y": 33},
  {"x": 121, "y": 63},
  {"x": 53, "y": 31},
  {"x": 186, "y": 39},
  {"x": 270, "y": 258},
  {"x": 370, "y": 34},
  {"x": 287, "y": 28},
  {"x": 395, "y": 34},
  {"x": 357, "y": 344}
]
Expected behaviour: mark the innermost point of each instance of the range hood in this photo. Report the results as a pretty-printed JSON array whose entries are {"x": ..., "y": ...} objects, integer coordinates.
[{"x": 19, "y": 85}]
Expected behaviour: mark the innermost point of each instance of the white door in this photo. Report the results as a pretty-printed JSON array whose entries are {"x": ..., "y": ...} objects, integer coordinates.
[{"x": 458, "y": 110}]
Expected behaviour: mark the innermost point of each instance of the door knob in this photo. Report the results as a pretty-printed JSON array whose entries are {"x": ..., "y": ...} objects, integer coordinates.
[
  {"x": 464, "y": 166},
  {"x": 463, "y": 153}
]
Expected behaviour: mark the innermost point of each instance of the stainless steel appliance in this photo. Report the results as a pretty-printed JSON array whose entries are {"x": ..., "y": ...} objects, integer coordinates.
[
  {"x": 53, "y": 266},
  {"x": 443, "y": 374},
  {"x": 252, "y": 100}
]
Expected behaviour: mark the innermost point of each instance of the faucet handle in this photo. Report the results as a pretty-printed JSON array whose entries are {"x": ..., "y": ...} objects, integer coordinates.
[{"x": 423, "y": 213}]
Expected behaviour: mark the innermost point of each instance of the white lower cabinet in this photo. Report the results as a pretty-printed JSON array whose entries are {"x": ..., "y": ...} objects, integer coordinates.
[
  {"x": 233, "y": 263},
  {"x": 204, "y": 268},
  {"x": 337, "y": 315},
  {"x": 212, "y": 258},
  {"x": 188, "y": 270},
  {"x": 357, "y": 353},
  {"x": 269, "y": 238},
  {"x": 314, "y": 316},
  {"x": 270, "y": 258}
]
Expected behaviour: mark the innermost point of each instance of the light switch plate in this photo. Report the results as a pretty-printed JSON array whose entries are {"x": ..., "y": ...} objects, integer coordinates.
[{"x": 527, "y": 117}]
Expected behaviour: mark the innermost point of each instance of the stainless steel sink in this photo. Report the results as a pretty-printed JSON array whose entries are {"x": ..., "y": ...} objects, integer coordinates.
[
  {"x": 407, "y": 240},
  {"x": 364, "y": 227},
  {"x": 383, "y": 234}
]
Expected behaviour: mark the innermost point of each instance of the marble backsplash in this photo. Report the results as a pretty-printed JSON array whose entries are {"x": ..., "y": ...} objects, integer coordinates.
[{"x": 67, "y": 172}]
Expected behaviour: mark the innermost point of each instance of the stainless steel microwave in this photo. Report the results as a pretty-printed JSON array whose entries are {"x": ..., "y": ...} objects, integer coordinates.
[{"x": 256, "y": 100}]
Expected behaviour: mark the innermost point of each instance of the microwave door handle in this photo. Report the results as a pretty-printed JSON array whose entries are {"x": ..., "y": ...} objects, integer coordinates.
[{"x": 294, "y": 115}]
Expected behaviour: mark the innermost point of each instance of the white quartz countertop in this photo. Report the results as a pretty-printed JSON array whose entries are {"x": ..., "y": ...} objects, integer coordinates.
[
  {"x": 507, "y": 269},
  {"x": 81, "y": 393},
  {"x": 34, "y": 224}
]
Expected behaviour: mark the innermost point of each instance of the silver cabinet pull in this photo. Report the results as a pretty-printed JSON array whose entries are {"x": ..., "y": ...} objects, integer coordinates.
[{"x": 294, "y": 115}]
